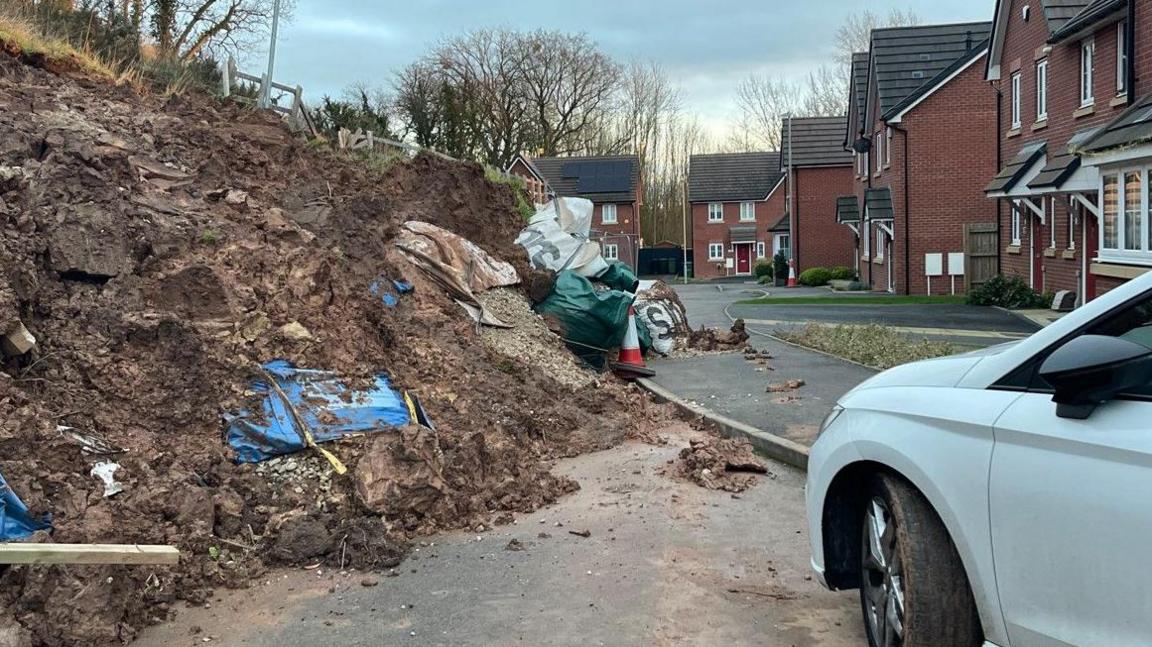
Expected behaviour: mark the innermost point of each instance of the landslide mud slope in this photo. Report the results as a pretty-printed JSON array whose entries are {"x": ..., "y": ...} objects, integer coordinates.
[{"x": 155, "y": 248}]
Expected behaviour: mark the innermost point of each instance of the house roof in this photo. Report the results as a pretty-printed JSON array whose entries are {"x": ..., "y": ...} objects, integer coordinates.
[
  {"x": 906, "y": 60},
  {"x": 878, "y": 203},
  {"x": 1014, "y": 171},
  {"x": 1091, "y": 13},
  {"x": 783, "y": 224},
  {"x": 847, "y": 209},
  {"x": 1059, "y": 12},
  {"x": 732, "y": 177},
  {"x": 936, "y": 82},
  {"x": 603, "y": 178},
  {"x": 858, "y": 100},
  {"x": 1058, "y": 169},
  {"x": 815, "y": 141},
  {"x": 1133, "y": 126}
]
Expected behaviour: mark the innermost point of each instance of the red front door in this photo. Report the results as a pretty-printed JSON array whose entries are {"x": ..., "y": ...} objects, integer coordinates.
[{"x": 743, "y": 259}]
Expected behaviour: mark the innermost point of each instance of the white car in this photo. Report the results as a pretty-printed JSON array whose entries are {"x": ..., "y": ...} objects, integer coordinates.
[{"x": 1002, "y": 497}]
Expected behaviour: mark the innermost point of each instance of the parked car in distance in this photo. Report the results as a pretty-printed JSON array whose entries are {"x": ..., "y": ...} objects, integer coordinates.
[{"x": 1001, "y": 497}]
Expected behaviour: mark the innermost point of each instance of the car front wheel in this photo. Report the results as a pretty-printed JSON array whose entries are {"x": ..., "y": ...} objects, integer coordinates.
[{"x": 914, "y": 591}]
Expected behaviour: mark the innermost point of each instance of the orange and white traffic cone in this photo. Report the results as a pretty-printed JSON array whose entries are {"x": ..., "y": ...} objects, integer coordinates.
[
  {"x": 630, "y": 364},
  {"x": 791, "y": 273}
]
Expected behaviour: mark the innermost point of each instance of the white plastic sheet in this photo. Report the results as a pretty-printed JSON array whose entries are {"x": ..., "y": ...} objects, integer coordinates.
[{"x": 556, "y": 238}]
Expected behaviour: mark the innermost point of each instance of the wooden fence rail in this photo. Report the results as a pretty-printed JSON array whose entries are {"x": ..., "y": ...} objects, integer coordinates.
[{"x": 296, "y": 114}]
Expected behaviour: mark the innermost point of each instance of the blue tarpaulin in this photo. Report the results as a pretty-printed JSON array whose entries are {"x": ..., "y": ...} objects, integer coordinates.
[
  {"x": 379, "y": 288},
  {"x": 329, "y": 407},
  {"x": 15, "y": 522}
]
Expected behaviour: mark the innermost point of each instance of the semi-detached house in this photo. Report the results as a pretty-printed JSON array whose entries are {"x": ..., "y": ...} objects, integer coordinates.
[
  {"x": 921, "y": 122},
  {"x": 1073, "y": 79},
  {"x": 736, "y": 200},
  {"x": 817, "y": 171}
]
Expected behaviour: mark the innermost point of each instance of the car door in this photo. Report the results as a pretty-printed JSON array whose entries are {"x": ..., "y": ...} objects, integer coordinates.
[{"x": 1070, "y": 508}]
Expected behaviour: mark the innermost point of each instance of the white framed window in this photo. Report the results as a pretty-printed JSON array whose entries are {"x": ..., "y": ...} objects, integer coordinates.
[
  {"x": 1016, "y": 100},
  {"x": 1042, "y": 90},
  {"x": 747, "y": 212},
  {"x": 715, "y": 212},
  {"x": 611, "y": 252},
  {"x": 759, "y": 249},
  {"x": 608, "y": 214},
  {"x": 1125, "y": 233},
  {"x": 866, "y": 236},
  {"x": 856, "y": 160},
  {"x": 879, "y": 150},
  {"x": 1052, "y": 223},
  {"x": 867, "y": 163},
  {"x": 1121, "y": 58},
  {"x": 1016, "y": 226},
  {"x": 1087, "y": 56},
  {"x": 715, "y": 251},
  {"x": 879, "y": 243},
  {"x": 783, "y": 244},
  {"x": 888, "y": 146}
]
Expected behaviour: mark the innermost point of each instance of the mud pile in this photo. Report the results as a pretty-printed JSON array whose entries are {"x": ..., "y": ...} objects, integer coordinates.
[
  {"x": 711, "y": 339},
  {"x": 717, "y": 463},
  {"x": 159, "y": 250}
]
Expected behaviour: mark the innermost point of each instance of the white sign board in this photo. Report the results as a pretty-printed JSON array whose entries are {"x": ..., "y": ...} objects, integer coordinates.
[
  {"x": 956, "y": 263},
  {"x": 729, "y": 262},
  {"x": 933, "y": 264}
]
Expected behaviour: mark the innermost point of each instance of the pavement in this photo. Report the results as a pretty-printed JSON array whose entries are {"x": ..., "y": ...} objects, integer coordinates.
[{"x": 666, "y": 563}]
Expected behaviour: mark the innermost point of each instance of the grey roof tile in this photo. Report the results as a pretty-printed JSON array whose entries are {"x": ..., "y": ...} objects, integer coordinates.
[
  {"x": 1058, "y": 12},
  {"x": 1091, "y": 13},
  {"x": 859, "y": 98},
  {"x": 566, "y": 184},
  {"x": 732, "y": 177},
  {"x": 878, "y": 203},
  {"x": 815, "y": 141},
  {"x": 1014, "y": 170},
  {"x": 1133, "y": 126},
  {"x": 907, "y": 59},
  {"x": 847, "y": 209}
]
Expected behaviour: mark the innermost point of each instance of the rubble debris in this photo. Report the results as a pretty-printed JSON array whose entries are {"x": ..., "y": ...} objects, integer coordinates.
[
  {"x": 294, "y": 331},
  {"x": 716, "y": 463},
  {"x": 106, "y": 472},
  {"x": 581, "y": 533},
  {"x": 152, "y": 303},
  {"x": 17, "y": 341},
  {"x": 709, "y": 339},
  {"x": 514, "y": 545},
  {"x": 783, "y": 387},
  {"x": 529, "y": 341}
]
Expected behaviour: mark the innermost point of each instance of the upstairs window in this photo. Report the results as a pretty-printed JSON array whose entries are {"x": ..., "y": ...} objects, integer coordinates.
[
  {"x": 611, "y": 252},
  {"x": 747, "y": 212},
  {"x": 1087, "y": 54},
  {"x": 715, "y": 212},
  {"x": 1015, "y": 100},
  {"x": 1121, "y": 58},
  {"x": 887, "y": 147},
  {"x": 879, "y": 151},
  {"x": 1042, "y": 90},
  {"x": 608, "y": 214}
]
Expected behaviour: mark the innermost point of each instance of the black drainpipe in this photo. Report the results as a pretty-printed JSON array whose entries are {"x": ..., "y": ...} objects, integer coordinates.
[
  {"x": 907, "y": 237},
  {"x": 796, "y": 219},
  {"x": 867, "y": 223}
]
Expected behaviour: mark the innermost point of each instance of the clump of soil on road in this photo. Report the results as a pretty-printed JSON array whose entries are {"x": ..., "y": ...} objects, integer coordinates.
[
  {"x": 159, "y": 250},
  {"x": 716, "y": 463},
  {"x": 713, "y": 340}
]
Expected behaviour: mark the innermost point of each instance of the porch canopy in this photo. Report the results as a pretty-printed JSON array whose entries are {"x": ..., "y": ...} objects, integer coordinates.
[
  {"x": 742, "y": 234},
  {"x": 878, "y": 204},
  {"x": 1012, "y": 180},
  {"x": 847, "y": 209}
]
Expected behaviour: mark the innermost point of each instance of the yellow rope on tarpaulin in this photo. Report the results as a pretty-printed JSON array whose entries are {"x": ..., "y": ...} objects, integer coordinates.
[
  {"x": 301, "y": 428},
  {"x": 411, "y": 408}
]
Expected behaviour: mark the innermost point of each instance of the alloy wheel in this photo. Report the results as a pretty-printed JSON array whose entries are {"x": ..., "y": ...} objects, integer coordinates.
[{"x": 883, "y": 577}]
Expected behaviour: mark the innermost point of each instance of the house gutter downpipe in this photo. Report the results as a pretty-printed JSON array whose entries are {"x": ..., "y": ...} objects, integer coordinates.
[{"x": 793, "y": 232}]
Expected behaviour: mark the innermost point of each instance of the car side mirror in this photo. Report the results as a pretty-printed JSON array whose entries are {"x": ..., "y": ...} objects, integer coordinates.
[{"x": 1093, "y": 369}]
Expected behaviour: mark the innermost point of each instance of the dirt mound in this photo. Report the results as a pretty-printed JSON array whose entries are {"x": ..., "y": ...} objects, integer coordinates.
[
  {"x": 716, "y": 463},
  {"x": 711, "y": 339},
  {"x": 158, "y": 251}
]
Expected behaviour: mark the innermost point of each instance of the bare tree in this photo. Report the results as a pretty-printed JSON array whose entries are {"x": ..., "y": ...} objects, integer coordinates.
[
  {"x": 855, "y": 33},
  {"x": 569, "y": 84},
  {"x": 185, "y": 29},
  {"x": 762, "y": 101},
  {"x": 824, "y": 93}
]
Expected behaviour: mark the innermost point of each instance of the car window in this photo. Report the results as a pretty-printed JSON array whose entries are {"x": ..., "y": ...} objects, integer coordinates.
[{"x": 1132, "y": 322}]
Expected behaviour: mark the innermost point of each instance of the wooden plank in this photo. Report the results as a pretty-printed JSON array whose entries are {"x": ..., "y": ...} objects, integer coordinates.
[{"x": 88, "y": 554}]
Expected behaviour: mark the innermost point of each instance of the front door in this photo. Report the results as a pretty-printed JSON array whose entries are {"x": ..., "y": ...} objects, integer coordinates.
[
  {"x": 744, "y": 258},
  {"x": 1070, "y": 513}
]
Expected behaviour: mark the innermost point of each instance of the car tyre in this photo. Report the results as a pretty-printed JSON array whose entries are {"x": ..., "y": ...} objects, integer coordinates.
[{"x": 914, "y": 591}]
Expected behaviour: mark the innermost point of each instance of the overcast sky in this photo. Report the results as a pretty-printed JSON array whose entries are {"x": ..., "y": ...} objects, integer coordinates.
[{"x": 707, "y": 46}]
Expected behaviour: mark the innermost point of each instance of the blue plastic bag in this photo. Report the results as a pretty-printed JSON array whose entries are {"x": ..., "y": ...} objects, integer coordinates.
[{"x": 15, "y": 522}]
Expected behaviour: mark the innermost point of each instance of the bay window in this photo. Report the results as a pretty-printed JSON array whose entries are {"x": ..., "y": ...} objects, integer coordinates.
[{"x": 1124, "y": 202}]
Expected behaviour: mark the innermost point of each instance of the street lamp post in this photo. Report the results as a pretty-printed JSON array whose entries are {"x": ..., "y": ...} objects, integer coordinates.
[{"x": 266, "y": 87}]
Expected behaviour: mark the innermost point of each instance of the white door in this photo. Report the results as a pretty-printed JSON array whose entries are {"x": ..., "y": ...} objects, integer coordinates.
[{"x": 1071, "y": 512}]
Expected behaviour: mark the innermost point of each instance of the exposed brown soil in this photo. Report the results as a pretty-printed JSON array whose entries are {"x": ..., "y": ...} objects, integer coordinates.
[
  {"x": 717, "y": 463},
  {"x": 158, "y": 251},
  {"x": 711, "y": 339}
]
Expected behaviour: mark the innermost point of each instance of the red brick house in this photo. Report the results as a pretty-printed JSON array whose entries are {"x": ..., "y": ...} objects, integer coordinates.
[
  {"x": 921, "y": 122},
  {"x": 611, "y": 182},
  {"x": 818, "y": 170},
  {"x": 735, "y": 198},
  {"x": 1073, "y": 209}
]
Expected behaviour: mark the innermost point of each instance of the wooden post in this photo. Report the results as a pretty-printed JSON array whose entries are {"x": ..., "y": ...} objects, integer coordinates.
[
  {"x": 88, "y": 554},
  {"x": 226, "y": 78}
]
